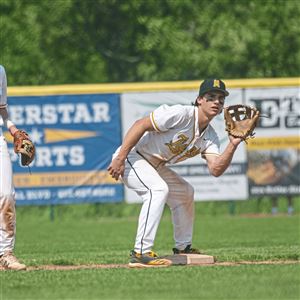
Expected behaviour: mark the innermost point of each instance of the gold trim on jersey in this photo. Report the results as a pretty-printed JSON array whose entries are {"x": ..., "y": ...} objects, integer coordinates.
[
  {"x": 154, "y": 123},
  {"x": 210, "y": 154}
]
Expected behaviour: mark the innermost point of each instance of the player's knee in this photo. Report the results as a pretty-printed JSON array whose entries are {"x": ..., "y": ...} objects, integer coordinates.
[
  {"x": 8, "y": 215},
  {"x": 161, "y": 191},
  {"x": 6, "y": 198},
  {"x": 7, "y": 204}
]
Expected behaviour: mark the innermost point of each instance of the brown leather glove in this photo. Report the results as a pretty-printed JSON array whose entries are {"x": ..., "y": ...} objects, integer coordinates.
[
  {"x": 24, "y": 146},
  {"x": 241, "y": 120}
]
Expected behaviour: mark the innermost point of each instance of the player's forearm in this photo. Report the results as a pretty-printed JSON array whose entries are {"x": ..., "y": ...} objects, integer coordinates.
[
  {"x": 223, "y": 161},
  {"x": 9, "y": 124},
  {"x": 13, "y": 129},
  {"x": 131, "y": 138}
]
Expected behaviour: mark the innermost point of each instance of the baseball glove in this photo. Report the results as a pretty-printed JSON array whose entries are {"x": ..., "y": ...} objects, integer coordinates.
[
  {"x": 241, "y": 120},
  {"x": 24, "y": 146}
]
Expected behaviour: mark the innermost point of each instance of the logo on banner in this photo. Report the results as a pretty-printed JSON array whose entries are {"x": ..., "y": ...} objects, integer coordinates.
[
  {"x": 74, "y": 143},
  {"x": 62, "y": 132},
  {"x": 281, "y": 113}
]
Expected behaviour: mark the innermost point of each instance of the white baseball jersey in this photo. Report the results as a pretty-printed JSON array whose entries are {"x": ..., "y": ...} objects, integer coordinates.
[
  {"x": 3, "y": 93},
  {"x": 177, "y": 136},
  {"x": 3, "y": 87},
  {"x": 7, "y": 193}
]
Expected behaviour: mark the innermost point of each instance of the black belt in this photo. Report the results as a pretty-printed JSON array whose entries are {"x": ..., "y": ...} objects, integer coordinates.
[{"x": 155, "y": 167}]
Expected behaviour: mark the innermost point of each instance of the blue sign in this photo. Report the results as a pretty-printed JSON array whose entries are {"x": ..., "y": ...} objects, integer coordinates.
[{"x": 75, "y": 136}]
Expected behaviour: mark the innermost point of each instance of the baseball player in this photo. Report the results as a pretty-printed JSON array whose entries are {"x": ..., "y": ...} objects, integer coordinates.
[
  {"x": 7, "y": 193},
  {"x": 170, "y": 134}
]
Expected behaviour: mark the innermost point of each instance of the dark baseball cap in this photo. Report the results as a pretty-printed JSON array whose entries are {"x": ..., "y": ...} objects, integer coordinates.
[{"x": 212, "y": 85}]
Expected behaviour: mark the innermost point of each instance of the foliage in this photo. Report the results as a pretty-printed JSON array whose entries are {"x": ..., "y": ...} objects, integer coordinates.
[{"x": 94, "y": 41}]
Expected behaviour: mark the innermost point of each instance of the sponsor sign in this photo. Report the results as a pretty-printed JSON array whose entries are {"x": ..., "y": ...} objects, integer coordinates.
[
  {"x": 274, "y": 155},
  {"x": 74, "y": 136}
]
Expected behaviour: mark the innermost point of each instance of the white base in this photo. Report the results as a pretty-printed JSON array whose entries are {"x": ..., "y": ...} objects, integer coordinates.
[{"x": 191, "y": 259}]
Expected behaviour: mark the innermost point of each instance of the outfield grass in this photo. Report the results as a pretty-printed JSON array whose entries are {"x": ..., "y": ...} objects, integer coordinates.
[
  {"x": 82, "y": 236},
  {"x": 240, "y": 282}
]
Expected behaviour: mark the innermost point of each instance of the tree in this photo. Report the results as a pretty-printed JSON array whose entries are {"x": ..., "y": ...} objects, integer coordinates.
[{"x": 93, "y": 41}]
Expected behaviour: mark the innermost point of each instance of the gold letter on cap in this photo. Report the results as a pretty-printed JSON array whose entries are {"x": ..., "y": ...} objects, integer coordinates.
[{"x": 217, "y": 83}]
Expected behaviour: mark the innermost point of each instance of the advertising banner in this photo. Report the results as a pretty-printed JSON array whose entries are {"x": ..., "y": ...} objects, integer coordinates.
[
  {"x": 274, "y": 155},
  {"x": 74, "y": 136},
  {"x": 232, "y": 185}
]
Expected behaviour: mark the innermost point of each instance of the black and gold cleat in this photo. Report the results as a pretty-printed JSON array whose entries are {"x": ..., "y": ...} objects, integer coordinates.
[
  {"x": 147, "y": 260},
  {"x": 187, "y": 250}
]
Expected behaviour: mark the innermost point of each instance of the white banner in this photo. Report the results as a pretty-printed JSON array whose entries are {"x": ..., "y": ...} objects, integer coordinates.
[
  {"x": 232, "y": 185},
  {"x": 281, "y": 106},
  {"x": 274, "y": 155}
]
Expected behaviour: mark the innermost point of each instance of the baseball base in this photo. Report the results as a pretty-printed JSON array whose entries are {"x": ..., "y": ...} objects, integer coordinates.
[{"x": 190, "y": 259}]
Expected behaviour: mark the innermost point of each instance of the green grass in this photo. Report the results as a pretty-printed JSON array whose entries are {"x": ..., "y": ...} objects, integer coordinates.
[
  {"x": 86, "y": 234},
  {"x": 240, "y": 282}
]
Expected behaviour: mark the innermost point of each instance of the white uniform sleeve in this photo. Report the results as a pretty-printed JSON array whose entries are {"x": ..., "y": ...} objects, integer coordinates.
[
  {"x": 213, "y": 145},
  {"x": 166, "y": 117},
  {"x": 3, "y": 87}
]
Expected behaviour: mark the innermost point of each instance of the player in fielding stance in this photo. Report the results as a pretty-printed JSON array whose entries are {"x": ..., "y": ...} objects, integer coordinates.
[
  {"x": 170, "y": 134},
  {"x": 7, "y": 193}
]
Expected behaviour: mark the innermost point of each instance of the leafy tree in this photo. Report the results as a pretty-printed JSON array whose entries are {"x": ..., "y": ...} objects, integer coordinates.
[{"x": 93, "y": 41}]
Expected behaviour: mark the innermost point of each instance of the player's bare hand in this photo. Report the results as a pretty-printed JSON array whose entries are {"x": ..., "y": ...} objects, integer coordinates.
[
  {"x": 235, "y": 141},
  {"x": 116, "y": 168}
]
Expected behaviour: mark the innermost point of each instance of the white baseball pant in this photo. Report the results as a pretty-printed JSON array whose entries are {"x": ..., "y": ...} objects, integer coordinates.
[
  {"x": 158, "y": 187},
  {"x": 7, "y": 201}
]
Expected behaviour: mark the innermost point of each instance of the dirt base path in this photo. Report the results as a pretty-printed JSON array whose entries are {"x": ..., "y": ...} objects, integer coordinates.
[{"x": 115, "y": 266}]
